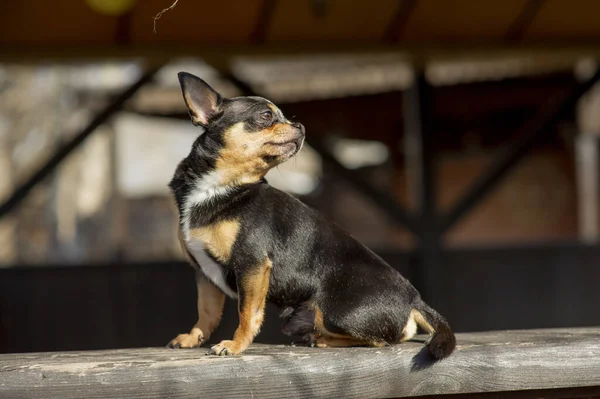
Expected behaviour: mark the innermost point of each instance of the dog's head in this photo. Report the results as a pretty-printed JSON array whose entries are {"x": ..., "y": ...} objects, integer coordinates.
[{"x": 250, "y": 134}]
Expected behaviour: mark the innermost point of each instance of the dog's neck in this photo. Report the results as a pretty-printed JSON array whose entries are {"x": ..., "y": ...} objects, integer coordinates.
[
  {"x": 199, "y": 182},
  {"x": 217, "y": 169}
]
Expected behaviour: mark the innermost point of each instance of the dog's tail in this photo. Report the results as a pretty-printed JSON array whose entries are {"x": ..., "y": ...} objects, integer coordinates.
[{"x": 442, "y": 341}]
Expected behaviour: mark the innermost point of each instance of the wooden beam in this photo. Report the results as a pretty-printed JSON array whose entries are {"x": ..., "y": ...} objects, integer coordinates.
[
  {"x": 383, "y": 200},
  {"x": 263, "y": 22},
  {"x": 519, "y": 27},
  {"x": 395, "y": 29},
  {"x": 588, "y": 195},
  {"x": 508, "y": 361},
  {"x": 421, "y": 172},
  {"x": 220, "y": 55},
  {"x": 587, "y": 156}
]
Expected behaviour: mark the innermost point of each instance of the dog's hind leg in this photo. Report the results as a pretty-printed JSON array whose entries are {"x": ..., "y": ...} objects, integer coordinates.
[
  {"x": 324, "y": 338},
  {"x": 299, "y": 322}
]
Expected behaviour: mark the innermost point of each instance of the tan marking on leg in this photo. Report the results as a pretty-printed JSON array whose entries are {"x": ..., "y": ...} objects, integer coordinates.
[
  {"x": 421, "y": 322},
  {"x": 252, "y": 293},
  {"x": 320, "y": 327},
  {"x": 210, "y": 299},
  {"x": 410, "y": 329},
  {"x": 325, "y": 338},
  {"x": 415, "y": 319},
  {"x": 210, "y": 308},
  {"x": 218, "y": 238}
]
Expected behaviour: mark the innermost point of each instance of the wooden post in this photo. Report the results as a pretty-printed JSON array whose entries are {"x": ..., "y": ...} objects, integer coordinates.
[
  {"x": 8, "y": 249},
  {"x": 431, "y": 279},
  {"x": 586, "y": 156}
]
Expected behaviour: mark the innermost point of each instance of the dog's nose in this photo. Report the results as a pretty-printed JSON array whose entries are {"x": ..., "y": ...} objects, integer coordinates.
[{"x": 299, "y": 126}]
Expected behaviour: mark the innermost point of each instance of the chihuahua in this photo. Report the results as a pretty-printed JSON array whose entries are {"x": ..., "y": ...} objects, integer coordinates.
[{"x": 254, "y": 243}]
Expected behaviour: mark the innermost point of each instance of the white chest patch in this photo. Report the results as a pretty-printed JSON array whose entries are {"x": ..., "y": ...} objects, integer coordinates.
[
  {"x": 211, "y": 269},
  {"x": 206, "y": 189}
]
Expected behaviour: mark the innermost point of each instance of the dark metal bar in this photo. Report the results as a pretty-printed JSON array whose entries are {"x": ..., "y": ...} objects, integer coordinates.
[
  {"x": 420, "y": 158},
  {"x": 385, "y": 201},
  {"x": 531, "y": 133},
  {"x": 395, "y": 29},
  {"x": 419, "y": 145},
  {"x": 263, "y": 22},
  {"x": 520, "y": 25},
  {"x": 124, "y": 28},
  {"x": 320, "y": 8},
  {"x": 21, "y": 192}
]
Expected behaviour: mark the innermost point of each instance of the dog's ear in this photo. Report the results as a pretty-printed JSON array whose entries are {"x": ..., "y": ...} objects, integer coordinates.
[{"x": 202, "y": 101}]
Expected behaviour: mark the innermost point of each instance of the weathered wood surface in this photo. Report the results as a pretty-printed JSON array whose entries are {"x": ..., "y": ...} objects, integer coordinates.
[{"x": 484, "y": 362}]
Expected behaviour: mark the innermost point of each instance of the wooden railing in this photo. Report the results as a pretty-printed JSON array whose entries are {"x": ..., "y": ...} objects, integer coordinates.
[{"x": 528, "y": 363}]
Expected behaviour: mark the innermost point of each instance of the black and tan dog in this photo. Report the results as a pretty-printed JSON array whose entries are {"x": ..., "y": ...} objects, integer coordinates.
[{"x": 252, "y": 242}]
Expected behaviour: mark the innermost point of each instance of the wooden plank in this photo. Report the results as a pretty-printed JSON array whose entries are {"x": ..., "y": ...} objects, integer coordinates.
[
  {"x": 448, "y": 21},
  {"x": 60, "y": 23},
  {"x": 299, "y": 21},
  {"x": 496, "y": 361},
  {"x": 588, "y": 195},
  {"x": 193, "y": 22},
  {"x": 220, "y": 55},
  {"x": 565, "y": 19}
]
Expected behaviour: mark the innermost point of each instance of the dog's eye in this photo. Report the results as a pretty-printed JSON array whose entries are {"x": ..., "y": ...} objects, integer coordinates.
[{"x": 267, "y": 115}]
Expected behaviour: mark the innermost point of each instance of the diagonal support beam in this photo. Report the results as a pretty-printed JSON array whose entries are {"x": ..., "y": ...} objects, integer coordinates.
[
  {"x": 519, "y": 27},
  {"x": 382, "y": 199},
  {"x": 397, "y": 25},
  {"x": 264, "y": 20},
  {"x": 63, "y": 152},
  {"x": 531, "y": 133}
]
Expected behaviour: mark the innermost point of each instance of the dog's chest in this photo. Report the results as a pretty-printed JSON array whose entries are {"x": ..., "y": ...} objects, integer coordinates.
[
  {"x": 211, "y": 246},
  {"x": 212, "y": 269},
  {"x": 216, "y": 239}
]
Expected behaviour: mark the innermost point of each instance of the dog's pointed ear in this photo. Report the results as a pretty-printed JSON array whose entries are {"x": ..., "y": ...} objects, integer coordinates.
[{"x": 202, "y": 101}]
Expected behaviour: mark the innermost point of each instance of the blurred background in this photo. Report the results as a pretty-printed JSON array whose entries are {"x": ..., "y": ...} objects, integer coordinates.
[{"x": 456, "y": 138}]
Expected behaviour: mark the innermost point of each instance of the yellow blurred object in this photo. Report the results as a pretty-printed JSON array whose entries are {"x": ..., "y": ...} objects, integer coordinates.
[{"x": 110, "y": 7}]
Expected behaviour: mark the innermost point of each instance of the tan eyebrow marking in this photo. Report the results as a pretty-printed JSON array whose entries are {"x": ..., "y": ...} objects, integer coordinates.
[{"x": 277, "y": 111}]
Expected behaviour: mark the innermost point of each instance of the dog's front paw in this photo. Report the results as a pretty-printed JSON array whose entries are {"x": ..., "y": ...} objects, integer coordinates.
[
  {"x": 186, "y": 341},
  {"x": 225, "y": 348}
]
